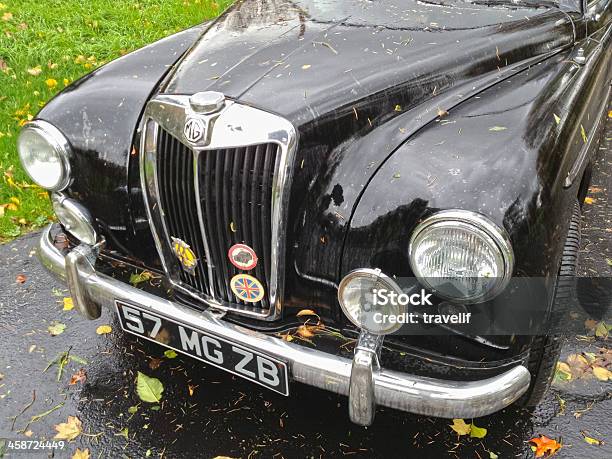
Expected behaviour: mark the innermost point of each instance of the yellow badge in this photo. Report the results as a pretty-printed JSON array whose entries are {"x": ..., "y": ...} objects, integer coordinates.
[{"x": 184, "y": 253}]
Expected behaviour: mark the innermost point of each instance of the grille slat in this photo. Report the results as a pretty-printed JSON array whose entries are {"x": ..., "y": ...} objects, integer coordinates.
[{"x": 235, "y": 185}]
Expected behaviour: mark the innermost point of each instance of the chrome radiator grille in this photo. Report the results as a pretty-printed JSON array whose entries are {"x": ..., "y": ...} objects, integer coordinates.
[
  {"x": 223, "y": 191},
  {"x": 235, "y": 198}
]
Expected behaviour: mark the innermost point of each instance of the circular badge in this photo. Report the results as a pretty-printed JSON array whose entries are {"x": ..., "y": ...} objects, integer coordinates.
[
  {"x": 247, "y": 288},
  {"x": 242, "y": 256},
  {"x": 194, "y": 129},
  {"x": 185, "y": 255}
]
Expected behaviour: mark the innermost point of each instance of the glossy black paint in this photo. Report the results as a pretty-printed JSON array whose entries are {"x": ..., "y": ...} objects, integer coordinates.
[{"x": 364, "y": 83}]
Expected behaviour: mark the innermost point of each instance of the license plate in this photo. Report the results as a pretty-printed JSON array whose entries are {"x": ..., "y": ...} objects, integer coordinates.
[{"x": 213, "y": 350}]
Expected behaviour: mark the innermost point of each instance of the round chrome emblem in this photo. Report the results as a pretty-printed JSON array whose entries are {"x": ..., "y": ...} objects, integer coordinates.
[{"x": 194, "y": 129}]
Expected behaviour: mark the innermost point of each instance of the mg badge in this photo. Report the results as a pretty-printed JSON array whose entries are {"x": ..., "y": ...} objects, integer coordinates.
[
  {"x": 185, "y": 255},
  {"x": 242, "y": 256},
  {"x": 194, "y": 129}
]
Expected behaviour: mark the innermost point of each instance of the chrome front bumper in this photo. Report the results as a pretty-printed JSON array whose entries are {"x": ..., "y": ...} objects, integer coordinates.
[{"x": 362, "y": 379}]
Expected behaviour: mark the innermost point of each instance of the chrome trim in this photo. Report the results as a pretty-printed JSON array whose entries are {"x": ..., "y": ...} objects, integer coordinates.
[
  {"x": 234, "y": 126},
  {"x": 60, "y": 144},
  {"x": 379, "y": 276},
  {"x": 366, "y": 361},
  {"x": 393, "y": 389},
  {"x": 472, "y": 221}
]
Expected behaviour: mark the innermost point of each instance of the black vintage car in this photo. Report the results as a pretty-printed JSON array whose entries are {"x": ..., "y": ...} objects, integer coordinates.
[{"x": 270, "y": 168}]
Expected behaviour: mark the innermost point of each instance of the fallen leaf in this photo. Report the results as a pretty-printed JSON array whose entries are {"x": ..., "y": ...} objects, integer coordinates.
[
  {"x": 35, "y": 71},
  {"x": 460, "y": 427},
  {"x": 191, "y": 389},
  {"x": 21, "y": 278},
  {"x": 155, "y": 363},
  {"x": 583, "y": 134},
  {"x": 69, "y": 430},
  {"x": 304, "y": 331},
  {"x": 123, "y": 433},
  {"x": 557, "y": 119},
  {"x": 138, "y": 278},
  {"x": 601, "y": 373},
  {"x": 497, "y": 128},
  {"x": 610, "y": 114},
  {"x": 398, "y": 108},
  {"x": 590, "y": 324},
  {"x": 149, "y": 389},
  {"x": 51, "y": 83},
  {"x": 133, "y": 409},
  {"x": 170, "y": 354},
  {"x": 7, "y": 16},
  {"x": 442, "y": 113},
  {"x": 56, "y": 328},
  {"x": 78, "y": 454},
  {"x": 545, "y": 445},
  {"x": 68, "y": 304},
  {"x": 477, "y": 432},
  {"x": 590, "y": 440},
  {"x": 104, "y": 329},
  {"x": 28, "y": 433},
  {"x": 306, "y": 66},
  {"x": 31, "y": 348},
  {"x": 79, "y": 376},
  {"x": 602, "y": 329},
  {"x": 563, "y": 372},
  {"x": 306, "y": 312},
  {"x": 589, "y": 200},
  {"x": 492, "y": 455}
]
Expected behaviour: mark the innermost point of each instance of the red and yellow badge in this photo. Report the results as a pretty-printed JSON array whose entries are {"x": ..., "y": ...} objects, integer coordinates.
[
  {"x": 247, "y": 288},
  {"x": 242, "y": 257},
  {"x": 185, "y": 255}
]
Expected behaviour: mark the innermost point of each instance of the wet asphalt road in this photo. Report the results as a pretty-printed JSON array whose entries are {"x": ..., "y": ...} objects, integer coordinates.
[{"x": 226, "y": 416}]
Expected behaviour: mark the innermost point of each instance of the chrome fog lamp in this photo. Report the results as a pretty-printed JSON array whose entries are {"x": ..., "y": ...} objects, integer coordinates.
[
  {"x": 45, "y": 154},
  {"x": 76, "y": 219},
  {"x": 462, "y": 256},
  {"x": 361, "y": 294}
]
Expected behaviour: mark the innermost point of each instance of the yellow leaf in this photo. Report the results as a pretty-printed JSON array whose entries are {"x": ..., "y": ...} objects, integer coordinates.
[
  {"x": 557, "y": 119},
  {"x": 601, "y": 373},
  {"x": 68, "y": 304},
  {"x": 11, "y": 206},
  {"x": 461, "y": 427},
  {"x": 589, "y": 200},
  {"x": 78, "y": 454},
  {"x": 306, "y": 312},
  {"x": 69, "y": 430},
  {"x": 591, "y": 441},
  {"x": 15, "y": 200},
  {"x": 306, "y": 66},
  {"x": 398, "y": 108},
  {"x": 103, "y": 329},
  {"x": 583, "y": 134},
  {"x": 66, "y": 81},
  {"x": 51, "y": 83},
  {"x": 477, "y": 432},
  {"x": 304, "y": 331},
  {"x": 610, "y": 114}
]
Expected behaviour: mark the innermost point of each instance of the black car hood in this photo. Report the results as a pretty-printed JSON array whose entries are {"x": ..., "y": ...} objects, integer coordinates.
[{"x": 304, "y": 59}]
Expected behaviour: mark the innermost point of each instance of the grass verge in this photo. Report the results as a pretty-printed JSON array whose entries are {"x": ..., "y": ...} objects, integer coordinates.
[{"x": 46, "y": 45}]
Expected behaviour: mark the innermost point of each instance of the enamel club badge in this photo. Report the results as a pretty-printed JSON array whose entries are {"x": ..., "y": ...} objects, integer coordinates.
[
  {"x": 247, "y": 288},
  {"x": 242, "y": 257},
  {"x": 184, "y": 254}
]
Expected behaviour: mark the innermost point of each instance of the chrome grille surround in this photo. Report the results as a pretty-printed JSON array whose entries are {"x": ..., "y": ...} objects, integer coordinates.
[{"x": 234, "y": 126}]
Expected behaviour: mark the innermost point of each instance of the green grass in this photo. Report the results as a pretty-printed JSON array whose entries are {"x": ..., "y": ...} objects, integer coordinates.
[{"x": 45, "y": 45}]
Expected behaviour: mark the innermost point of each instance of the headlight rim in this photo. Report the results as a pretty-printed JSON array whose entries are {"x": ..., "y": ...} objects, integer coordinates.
[
  {"x": 369, "y": 272},
  {"x": 481, "y": 224},
  {"x": 60, "y": 144}
]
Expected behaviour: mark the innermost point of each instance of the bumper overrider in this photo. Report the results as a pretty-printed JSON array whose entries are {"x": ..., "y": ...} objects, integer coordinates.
[{"x": 362, "y": 379}]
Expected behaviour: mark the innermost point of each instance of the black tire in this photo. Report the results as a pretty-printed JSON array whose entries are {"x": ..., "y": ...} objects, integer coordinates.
[{"x": 544, "y": 351}]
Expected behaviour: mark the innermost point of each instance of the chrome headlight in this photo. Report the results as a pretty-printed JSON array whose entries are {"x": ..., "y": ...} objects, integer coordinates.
[
  {"x": 45, "y": 154},
  {"x": 462, "y": 256},
  {"x": 357, "y": 294},
  {"x": 76, "y": 219}
]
